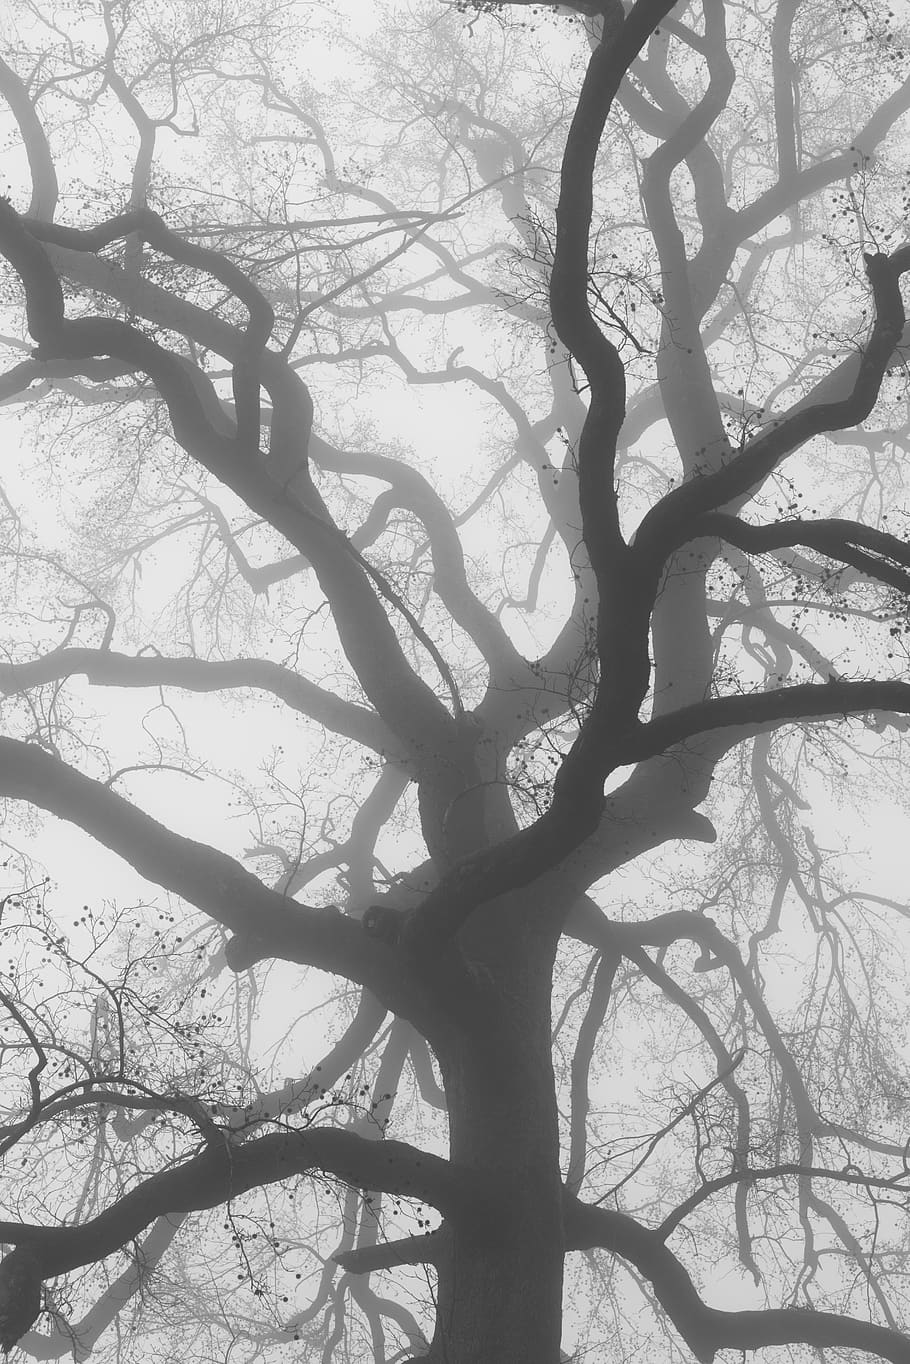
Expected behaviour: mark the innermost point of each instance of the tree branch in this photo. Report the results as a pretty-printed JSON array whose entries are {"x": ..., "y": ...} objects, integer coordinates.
[
  {"x": 706, "y": 1330},
  {"x": 366, "y": 633},
  {"x": 222, "y": 1173},
  {"x": 757, "y": 712},
  {"x": 669, "y": 523},
  {"x": 621, "y": 41},
  {"x": 204, "y": 876},
  {"x": 835, "y": 537},
  {"x": 107, "y": 668}
]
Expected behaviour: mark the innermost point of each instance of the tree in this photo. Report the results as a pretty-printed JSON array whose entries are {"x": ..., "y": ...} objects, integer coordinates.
[{"x": 601, "y": 597}]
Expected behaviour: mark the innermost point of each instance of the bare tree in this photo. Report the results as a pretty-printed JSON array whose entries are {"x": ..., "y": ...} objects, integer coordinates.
[{"x": 475, "y": 434}]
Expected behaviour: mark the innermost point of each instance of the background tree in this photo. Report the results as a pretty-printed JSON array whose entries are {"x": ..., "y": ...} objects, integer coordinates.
[{"x": 465, "y": 443}]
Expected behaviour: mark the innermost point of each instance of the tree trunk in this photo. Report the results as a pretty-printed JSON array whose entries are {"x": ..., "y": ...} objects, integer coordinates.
[
  {"x": 500, "y": 1283},
  {"x": 500, "y": 1294}
]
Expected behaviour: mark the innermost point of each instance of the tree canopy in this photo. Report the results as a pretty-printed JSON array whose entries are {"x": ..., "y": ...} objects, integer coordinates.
[{"x": 454, "y": 543}]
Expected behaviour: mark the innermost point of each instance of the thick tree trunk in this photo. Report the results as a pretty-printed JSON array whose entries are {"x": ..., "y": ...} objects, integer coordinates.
[
  {"x": 500, "y": 1294},
  {"x": 500, "y": 1284}
]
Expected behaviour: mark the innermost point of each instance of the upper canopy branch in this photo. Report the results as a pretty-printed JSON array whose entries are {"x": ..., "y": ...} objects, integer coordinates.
[
  {"x": 152, "y": 228},
  {"x": 733, "y": 229},
  {"x": 621, "y": 41},
  {"x": 670, "y": 523},
  {"x": 367, "y": 635},
  {"x": 686, "y": 385},
  {"x": 874, "y": 553}
]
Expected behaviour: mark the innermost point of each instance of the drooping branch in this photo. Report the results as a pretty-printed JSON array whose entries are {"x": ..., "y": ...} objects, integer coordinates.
[
  {"x": 874, "y": 553},
  {"x": 707, "y": 1330},
  {"x": 897, "y": 1184}
]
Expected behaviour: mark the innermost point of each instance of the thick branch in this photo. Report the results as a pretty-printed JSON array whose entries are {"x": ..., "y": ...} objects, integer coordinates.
[
  {"x": 706, "y": 1330},
  {"x": 621, "y": 42},
  {"x": 578, "y": 800},
  {"x": 150, "y": 227},
  {"x": 761, "y": 711},
  {"x": 222, "y": 1173},
  {"x": 410, "y": 1250},
  {"x": 204, "y": 876},
  {"x": 366, "y": 633},
  {"x": 40, "y": 162}
]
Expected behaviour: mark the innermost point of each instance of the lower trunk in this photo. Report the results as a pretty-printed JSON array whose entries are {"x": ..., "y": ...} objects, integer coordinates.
[
  {"x": 500, "y": 1295},
  {"x": 500, "y": 1282}
]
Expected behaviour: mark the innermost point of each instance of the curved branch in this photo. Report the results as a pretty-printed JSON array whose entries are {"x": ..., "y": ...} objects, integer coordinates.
[
  {"x": 575, "y": 325},
  {"x": 151, "y": 228},
  {"x": 669, "y": 523},
  {"x": 221, "y": 1173},
  {"x": 413, "y": 491},
  {"x": 835, "y": 537},
  {"x": 683, "y": 372},
  {"x": 366, "y": 633},
  {"x": 707, "y": 1330},
  {"x": 713, "y": 1186},
  {"x": 40, "y": 162}
]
